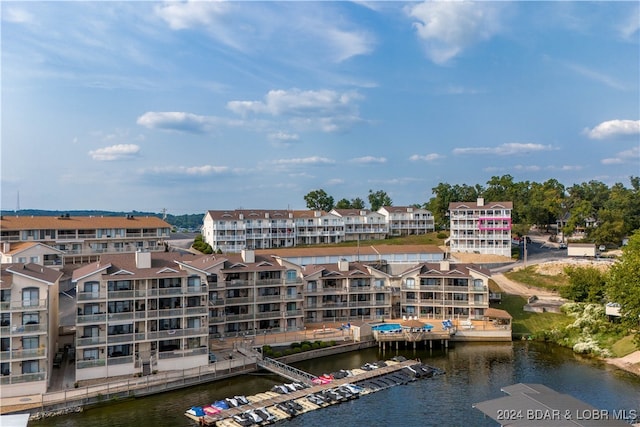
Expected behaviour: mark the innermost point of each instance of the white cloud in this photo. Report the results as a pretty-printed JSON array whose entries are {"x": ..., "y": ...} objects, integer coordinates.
[
  {"x": 508, "y": 149},
  {"x": 426, "y": 158},
  {"x": 449, "y": 27},
  {"x": 627, "y": 156},
  {"x": 182, "y": 15},
  {"x": 179, "y": 121},
  {"x": 115, "y": 152},
  {"x": 348, "y": 44},
  {"x": 284, "y": 136},
  {"x": 614, "y": 128},
  {"x": 335, "y": 181},
  {"x": 204, "y": 170},
  {"x": 596, "y": 76},
  {"x": 631, "y": 25},
  {"x": 314, "y": 160},
  {"x": 369, "y": 159},
  {"x": 16, "y": 15},
  {"x": 298, "y": 102},
  {"x": 527, "y": 168}
]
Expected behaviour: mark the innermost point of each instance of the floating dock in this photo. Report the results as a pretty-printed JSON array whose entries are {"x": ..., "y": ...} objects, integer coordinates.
[{"x": 274, "y": 406}]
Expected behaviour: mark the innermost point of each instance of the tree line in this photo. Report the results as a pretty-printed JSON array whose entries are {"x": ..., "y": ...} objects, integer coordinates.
[{"x": 607, "y": 214}]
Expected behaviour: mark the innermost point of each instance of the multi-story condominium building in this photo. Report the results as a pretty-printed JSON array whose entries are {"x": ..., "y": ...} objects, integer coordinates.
[
  {"x": 444, "y": 291},
  {"x": 345, "y": 292},
  {"x": 83, "y": 239},
  {"x": 318, "y": 227},
  {"x": 251, "y": 294},
  {"x": 362, "y": 224},
  {"x": 407, "y": 220},
  {"x": 29, "y": 325},
  {"x": 32, "y": 252},
  {"x": 140, "y": 312},
  {"x": 233, "y": 231},
  {"x": 481, "y": 227}
]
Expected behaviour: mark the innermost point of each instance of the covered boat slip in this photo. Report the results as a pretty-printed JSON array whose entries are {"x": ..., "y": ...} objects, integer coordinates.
[
  {"x": 537, "y": 405},
  {"x": 275, "y": 403}
]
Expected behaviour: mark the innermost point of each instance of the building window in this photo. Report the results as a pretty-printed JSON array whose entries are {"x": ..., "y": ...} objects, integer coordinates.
[
  {"x": 410, "y": 283},
  {"x": 193, "y": 282},
  {"x": 90, "y": 354},
  {"x": 291, "y": 276},
  {"x": 30, "y": 367},
  {"x": 30, "y": 297},
  {"x": 30, "y": 343},
  {"x": 93, "y": 288},
  {"x": 30, "y": 319}
]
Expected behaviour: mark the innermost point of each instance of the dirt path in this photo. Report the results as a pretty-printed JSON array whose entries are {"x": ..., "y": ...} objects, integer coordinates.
[{"x": 510, "y": 287}]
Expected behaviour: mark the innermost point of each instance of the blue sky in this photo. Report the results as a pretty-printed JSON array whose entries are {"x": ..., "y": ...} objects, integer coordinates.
[{"x": 192, "y": 106}]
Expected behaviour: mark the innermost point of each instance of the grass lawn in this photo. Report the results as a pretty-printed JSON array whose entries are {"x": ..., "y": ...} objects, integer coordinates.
[
  {"x": 528, "y": 323},
  {"x": 529, "y": 277},
  {"x": 623, "y": 346},
  {"x": 422, "y": 239}
]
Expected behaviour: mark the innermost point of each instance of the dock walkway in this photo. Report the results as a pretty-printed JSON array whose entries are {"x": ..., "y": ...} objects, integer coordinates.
[{"x": 270, "y": 400}]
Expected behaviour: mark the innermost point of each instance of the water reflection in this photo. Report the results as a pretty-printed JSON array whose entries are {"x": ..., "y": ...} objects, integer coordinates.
[{"x": 475, "y": 372}]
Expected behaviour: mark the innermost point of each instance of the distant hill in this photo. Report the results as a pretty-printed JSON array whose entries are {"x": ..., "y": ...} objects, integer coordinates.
[{"x": 189, "y": 222}]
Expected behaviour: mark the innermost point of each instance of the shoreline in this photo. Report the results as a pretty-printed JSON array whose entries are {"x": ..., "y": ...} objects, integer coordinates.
[{"x": 629, "y": 363}]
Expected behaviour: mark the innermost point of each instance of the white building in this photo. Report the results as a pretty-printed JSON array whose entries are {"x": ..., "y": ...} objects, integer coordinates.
[
  {"x": 233, "y": 231},
  {"x": 407, "y": 220},
  {"x": 479, "y": 227},
  {"x": 362, "y": 224},
  {"x": 138, "y": 313},
  {"x": 28, "y": 335},
  {"x": 318, "y": 227}
]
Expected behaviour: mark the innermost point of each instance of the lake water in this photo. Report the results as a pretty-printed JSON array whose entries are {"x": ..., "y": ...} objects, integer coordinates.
[{"x": 474, "y": 373}]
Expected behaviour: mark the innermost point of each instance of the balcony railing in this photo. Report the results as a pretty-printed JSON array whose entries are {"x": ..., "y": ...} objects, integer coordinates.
[
  {"x": 182, "y": 353},
  {"x": 89, "y": 296},
  {"x": 24, "y": 329},
  {"x": 119, "y": 360},
  {"x": 22, "y": 378},
  {"x": 92, "y": 363},
  {"x": 239, "y": 300},
  {"x": 31, "y": 353},
  {"x": 177, "y": 333},
  {"x": 28, "y": 305},
  {"x": 91, "y": 318},
  {"x": 91, "y": 341},
  {"x": 120, "y": 316},
  {"x": 119, "y": 338}
]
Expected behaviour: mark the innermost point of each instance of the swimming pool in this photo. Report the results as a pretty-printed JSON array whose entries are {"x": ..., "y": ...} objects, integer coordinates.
[{"x": 387, "y": 327}]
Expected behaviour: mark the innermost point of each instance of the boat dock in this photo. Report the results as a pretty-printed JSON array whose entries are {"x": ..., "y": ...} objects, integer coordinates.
[
  {"x": 412, "y": 336},
  {"x": 368, "y": 379}
]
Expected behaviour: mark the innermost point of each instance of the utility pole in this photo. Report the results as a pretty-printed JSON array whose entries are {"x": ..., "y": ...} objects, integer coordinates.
[{"x": 525, "y": 251}]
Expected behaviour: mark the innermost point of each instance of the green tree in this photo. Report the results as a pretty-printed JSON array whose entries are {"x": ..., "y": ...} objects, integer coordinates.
[
  {"x": 623, "y": 284},
  {"x": 343, "y": 204},
  {"x": 379, "y": 199},
  {"x": 357, "y": 203},
  {"x": 319, "y": 200},
  {"x": 586, "y": 284}
]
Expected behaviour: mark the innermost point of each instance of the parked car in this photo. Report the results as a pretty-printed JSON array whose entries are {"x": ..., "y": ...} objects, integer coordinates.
[
  {"x": 602, "y": 248},
  {"x": 562, "y": 246},
  {"x": 212, "y": 358},
  {"x": 57, "y": 359}
]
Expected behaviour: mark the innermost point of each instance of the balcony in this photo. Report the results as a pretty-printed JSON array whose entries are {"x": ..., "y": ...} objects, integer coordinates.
[
  {"x": 183, "y": 353},
  {"x": 119, "y": 338},
  {"x": 239, "y": 300},
  {"x": 119, "y": 360},
  {"x": 238, "y": 317},
  {"x": 28, "y": 305},
  {"x": 22, "y": 378},
  {"x": 32, "y": 353},
  {"x": 40, "y": 328},
  {"x": 120, "y": 316},
  {"x": 90, "y": 341},
  {"x": 177, "y": 333},
  {"x": 90, "y": 363},
  {"x": 90, "y": 296},
  {"x": 91, "y": 318}
]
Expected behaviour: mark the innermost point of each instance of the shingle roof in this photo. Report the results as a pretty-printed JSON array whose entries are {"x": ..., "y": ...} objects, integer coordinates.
[
  {"x": 352, "y": 250},
  {"x": 34, "y": 271},
  {"x": 230, "y": 215},
  {"x": 486, "y": 205},
  {"x": 79, "y": 222}
]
